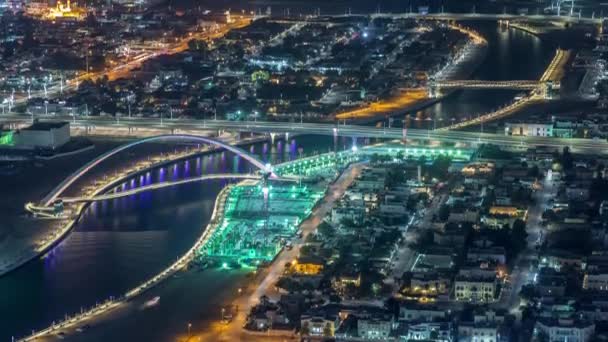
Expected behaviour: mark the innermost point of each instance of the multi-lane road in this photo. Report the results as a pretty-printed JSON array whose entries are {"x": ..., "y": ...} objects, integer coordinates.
[{"x": 91, "y": 124}]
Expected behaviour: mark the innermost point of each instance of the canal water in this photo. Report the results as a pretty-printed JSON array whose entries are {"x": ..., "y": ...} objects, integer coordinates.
[
  {"x": 121, "y": 242},
  {"x": 512, "y": 55}
]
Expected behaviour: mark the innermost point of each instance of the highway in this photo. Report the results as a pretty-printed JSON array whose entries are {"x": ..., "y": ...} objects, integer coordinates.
[
  {"x": 488, "y": 16},
  {"x": 584, "y": 146}
]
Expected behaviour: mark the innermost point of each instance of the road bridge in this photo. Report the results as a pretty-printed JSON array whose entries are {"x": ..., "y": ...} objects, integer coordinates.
[
  {"x": 355, "y": 131},
  {"x": 482, "y": 84},
  {"x": 322, "y": 19}
]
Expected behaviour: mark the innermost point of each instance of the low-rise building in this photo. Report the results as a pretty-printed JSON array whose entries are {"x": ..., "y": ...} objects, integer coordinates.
[
  {"x": 412, "y": 311},
  {"x": 429, "y": 331},
  {"x": 308, "y": 265},
  {"x": 565, "y": 329},
  {"x": 529, "y": 129},
  {"x": 375, "y": 327},
  {"x": 474, "y": 289},
  {"x": 596, "y": 280},
  {"x": 49, "y": 135},
  {"x": 319, "y": 324},
  {"x": 478, "y": 332}
]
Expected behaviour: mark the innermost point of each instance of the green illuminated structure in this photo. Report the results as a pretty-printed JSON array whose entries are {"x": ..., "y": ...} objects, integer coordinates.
[{"x": 6, "y": 138}]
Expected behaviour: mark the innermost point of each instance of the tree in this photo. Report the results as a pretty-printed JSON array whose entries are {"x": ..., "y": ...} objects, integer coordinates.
[
  {"x": 197, "y": 45},
  {"x": 288, "y": 284},
  {"x": 304, "y": 329},
  {"x": 519, "y": 234},
  {"x": 566, "y": 158},
  {"x": 528, "y": 292},
  {"x": 326, "y": 229},
  {"x": 307, "y": 250},
  {"x": 327, "y": 330},
  {"x": 439, "y": 168},
  {"x": 444, "y": 212}
]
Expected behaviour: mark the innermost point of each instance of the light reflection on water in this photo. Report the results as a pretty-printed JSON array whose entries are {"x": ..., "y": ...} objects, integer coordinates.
[{"x": 121, "y": 242}]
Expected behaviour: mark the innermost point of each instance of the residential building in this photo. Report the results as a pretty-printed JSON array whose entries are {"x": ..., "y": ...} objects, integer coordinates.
[
  {"x": 565, "y": 329},
  {"x": 375, "y": 327},
  {"x": 474, "y": 289},
  {"x": 529, "y": 129}
]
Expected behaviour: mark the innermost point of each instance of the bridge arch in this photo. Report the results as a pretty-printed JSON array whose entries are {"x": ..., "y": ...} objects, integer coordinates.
[{"x": 59, "y": 189}]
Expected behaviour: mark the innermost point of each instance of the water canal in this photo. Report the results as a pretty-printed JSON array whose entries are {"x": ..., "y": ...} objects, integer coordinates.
[{"x": 119, "y": 243}]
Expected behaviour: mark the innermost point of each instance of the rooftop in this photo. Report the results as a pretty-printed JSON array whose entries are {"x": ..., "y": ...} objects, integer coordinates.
[{"x": 45, "y": 126}]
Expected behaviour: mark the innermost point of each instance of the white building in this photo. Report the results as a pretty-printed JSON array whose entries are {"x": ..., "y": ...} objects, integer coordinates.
[
  {"x": 596, "y": 281},
  {"x": 475, "y": 289},
  {"x": 375, "y": 328},
  {"x": 566, "y": 330},
  {"x": 485, "y": 332},
  {"x": 440, "y": 332},
  {"x": 529, "y": 129},
  {"x": 50, "y": 135}
]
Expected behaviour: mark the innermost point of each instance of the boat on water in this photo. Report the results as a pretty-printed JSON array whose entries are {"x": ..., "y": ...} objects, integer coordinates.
[{"x": 152, "y": 302}]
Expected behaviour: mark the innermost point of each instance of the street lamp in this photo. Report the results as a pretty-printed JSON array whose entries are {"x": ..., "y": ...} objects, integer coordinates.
[{"x": 189, "y": 326}]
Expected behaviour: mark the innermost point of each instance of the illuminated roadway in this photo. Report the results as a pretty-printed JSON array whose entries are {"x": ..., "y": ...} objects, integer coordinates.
[
  {"x": 482, "y": 84},
  {"x": 125, "y": 67},
  {"x": 487, "y": 16},
  {"x": 577, "y": 144}
]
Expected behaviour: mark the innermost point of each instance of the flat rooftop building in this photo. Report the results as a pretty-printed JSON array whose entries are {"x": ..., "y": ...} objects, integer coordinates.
[{"x": 47, "y": 135}]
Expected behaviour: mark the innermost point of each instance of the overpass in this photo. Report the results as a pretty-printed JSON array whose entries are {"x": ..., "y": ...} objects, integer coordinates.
[
  {"x": 176, "y": 126},
  {"x": 487, "y": 16},
  {"x": 444, "y": 16}
]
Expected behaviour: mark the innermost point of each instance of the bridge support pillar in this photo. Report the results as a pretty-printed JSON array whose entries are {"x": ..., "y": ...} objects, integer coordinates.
[
  {"x": 286, "y": 137},
  {"x": 272, "y": 135},
  {"x": 434, "y": 91}
]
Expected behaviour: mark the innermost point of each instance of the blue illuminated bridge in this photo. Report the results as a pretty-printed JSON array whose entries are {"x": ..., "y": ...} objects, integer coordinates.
[{"x": 58, "y": 191}]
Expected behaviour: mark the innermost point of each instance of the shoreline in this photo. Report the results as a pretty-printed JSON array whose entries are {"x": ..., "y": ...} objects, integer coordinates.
[
  {"x": 67, "y": 228},
  {"x": 465, "y": 70},
  {"x": 167, "y": 272},
  {"x": 159, "y": 278}
]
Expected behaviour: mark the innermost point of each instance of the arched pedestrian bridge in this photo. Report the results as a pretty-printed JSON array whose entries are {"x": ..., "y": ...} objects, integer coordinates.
[
  {"x": 59, "y": 189},
  {"x": 162, "y": 185}
]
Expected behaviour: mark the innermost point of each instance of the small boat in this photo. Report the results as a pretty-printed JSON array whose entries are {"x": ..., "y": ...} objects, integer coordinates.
[{"x": 152, "y": 302}]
